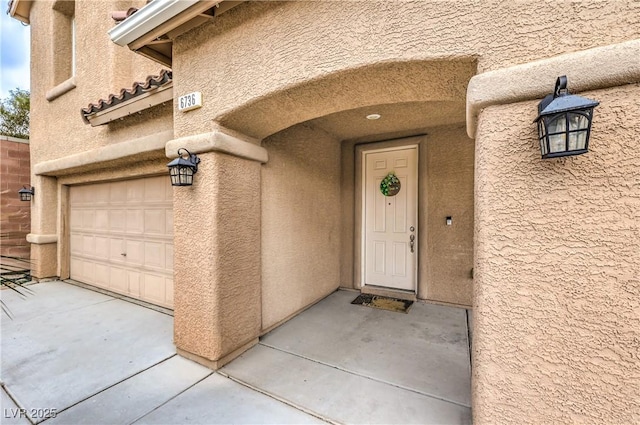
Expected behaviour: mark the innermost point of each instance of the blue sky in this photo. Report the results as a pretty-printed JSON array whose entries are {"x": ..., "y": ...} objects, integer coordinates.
[{"x": 14, "y": 51}]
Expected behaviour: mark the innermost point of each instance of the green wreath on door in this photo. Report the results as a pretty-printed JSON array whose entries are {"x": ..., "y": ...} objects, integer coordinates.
[{"x": 390, "y": 185}]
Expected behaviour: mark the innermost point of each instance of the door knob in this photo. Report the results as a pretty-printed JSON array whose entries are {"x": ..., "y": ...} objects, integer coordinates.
[{"x": 412, "y": 239}]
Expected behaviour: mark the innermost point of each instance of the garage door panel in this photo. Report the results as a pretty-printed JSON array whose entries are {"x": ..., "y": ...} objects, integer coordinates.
[
  {"x": 135, "y": 191},
  {"x": 168, "y": 284},
  {"x": 88, "y": 246},
  {"x": 116, "y": 249},
  {"x": 75, "y": 268},
  {"x": 102, "y": 275},
  {"x": 135, "y": 253},
  {"x": 135, "y": 283},
  {"x": 75, "y": 220},
  {"x": 88, "y": 271},
  {"x": 135, "y": 221},
  {"x": 168, "y": 256},
  {"x": 154, "y": 222},
  {"x": 117, "y": 220},
  {"x": 168, "y": 216},
  {"x": 117, "y": 192},
  {"x": 88, "y": 220},
  {"x": 168, "y": 193},
  {"x": 118, "y": 280},
  {"x": 134, "y": 218},
  {"x": 154, "y": 190},
  {"x": 101, "y": 247},
  {"x": 102, "y": 221},
  {"x": 154, "y": 255},
  {"x": 76, "y": 244},
  {"x": 98, "y": 196},
  {"x": 154, "y": 288}
]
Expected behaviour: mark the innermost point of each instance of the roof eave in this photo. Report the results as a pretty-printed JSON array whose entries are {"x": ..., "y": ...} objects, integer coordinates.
[
  {"x": 20, "y": 10},
  {"x": 147, "y": 19},
  {"x": 132, "y": 106}
]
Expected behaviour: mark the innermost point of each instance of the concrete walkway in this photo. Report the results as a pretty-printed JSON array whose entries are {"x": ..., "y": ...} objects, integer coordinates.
[{"x": 86, "y": 357}]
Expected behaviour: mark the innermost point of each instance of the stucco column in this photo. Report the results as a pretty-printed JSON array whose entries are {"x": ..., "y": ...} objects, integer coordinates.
[
  {"x": 557, "y": 259},
  {"x": 217, "y": 306},
  {"x": 43, "y": 236},
  {"x": 557, "y": 246}
]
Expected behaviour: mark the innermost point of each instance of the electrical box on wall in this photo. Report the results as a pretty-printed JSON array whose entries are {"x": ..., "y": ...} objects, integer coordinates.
[{"x": 190, "y": 101}]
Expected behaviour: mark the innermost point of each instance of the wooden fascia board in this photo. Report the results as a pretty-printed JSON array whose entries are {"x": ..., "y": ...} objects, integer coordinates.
[
  {"x": 155, "y": 55},
  {"x": 137, "y": 104},
  {"x": 20, "y": 10}
]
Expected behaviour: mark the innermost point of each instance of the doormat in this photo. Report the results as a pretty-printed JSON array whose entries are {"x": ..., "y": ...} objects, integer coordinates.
[{"x": 383, "y": 303}]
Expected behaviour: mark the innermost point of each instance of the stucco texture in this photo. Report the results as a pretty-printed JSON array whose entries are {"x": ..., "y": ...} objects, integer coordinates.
[
  {"x": 57, "y": 129},
  {"x": 447, "y": 191},
  {"x": 285, "y": 45},
  {"x": 301, "y": 212},
  {"x": 217, "y": 257},
  {"x": 557, "y": 301},
  {"x": 102, "y": 68}
]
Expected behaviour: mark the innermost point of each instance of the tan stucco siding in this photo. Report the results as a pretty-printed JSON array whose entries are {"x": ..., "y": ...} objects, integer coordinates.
[
  {"x": 102, "y": 68},
  {"x": 557, "y": 261},
  {"x": 284, "y": 44},
  {"x": 447, "y": 190},
  {"x": 217, "y": 257},
  {"x": 301, "y": 212}
]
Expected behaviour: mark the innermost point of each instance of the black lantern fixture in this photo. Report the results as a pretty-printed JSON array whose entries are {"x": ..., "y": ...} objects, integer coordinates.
[
  {"x": 26, "y": 193},
  {"x": 564, "y": 122},
  {"x": 182, "y": 169}
]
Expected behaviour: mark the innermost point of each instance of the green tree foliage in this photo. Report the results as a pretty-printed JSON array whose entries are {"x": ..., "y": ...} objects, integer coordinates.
[{"x": 14, "y": 114}]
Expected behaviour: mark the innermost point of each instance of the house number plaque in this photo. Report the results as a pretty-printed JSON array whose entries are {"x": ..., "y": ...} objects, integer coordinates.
[{"x": 190, "y": 101}]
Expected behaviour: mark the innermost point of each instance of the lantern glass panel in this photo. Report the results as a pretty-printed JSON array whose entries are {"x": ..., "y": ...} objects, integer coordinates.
[
  {"x": 557, "y": 133},
  {"x": 557, "y": 124},
  {"x": 543, "y": 140},
  {"x": 577, "y": 140},
  {"x": 578, "y": 121},
  {"x": 181, "y": 176}
]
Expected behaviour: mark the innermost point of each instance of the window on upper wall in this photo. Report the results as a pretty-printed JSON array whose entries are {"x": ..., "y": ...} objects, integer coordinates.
[{"x": 64, "y": 35}]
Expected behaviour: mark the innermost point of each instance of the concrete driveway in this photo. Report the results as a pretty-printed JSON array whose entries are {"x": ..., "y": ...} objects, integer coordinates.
[{"x": 74, "y": 356}]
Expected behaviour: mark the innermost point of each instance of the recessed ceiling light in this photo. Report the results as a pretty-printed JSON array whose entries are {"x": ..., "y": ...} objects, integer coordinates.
[{"x": 373, "y": 116}]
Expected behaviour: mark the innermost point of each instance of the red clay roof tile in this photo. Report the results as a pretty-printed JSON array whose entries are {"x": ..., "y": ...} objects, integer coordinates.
[{"x": 151, "y": 82}]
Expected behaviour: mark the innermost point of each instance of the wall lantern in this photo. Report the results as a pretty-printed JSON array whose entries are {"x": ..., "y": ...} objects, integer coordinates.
[
  {"x": 564, "y": 122},
  {"x": 26, "y": 193},
  {"x": 182, "y": 169}
]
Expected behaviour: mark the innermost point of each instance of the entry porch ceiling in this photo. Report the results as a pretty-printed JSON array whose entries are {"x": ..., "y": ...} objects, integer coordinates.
[
  {"x": 396, "y": 120},
  {"x": 151, "y": 30}
]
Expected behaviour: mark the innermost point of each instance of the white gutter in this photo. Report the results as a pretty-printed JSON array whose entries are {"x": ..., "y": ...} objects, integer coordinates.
[{"x": 147, "y": 19}]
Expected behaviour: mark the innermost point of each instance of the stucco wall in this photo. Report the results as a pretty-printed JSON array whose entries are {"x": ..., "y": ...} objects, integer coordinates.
[
  {"x": 217, "y": 258},
  {"x": 301, "y": 212},
  {"x": 102, "y": 68},
  {"x": 15, "y": 220},
  {"x": 447, "y": 190},
  {"x": 557, "y": 269},
  {"x": 57, "y": 129},
  {"x": 261, "y": 48}
]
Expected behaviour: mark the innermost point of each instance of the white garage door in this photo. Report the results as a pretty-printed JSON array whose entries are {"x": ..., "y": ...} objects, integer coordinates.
[{"x": 122, "y": 237}]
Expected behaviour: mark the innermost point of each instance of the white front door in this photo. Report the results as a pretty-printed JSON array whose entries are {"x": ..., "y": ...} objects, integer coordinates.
[{"x": 391, "y": 222}]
